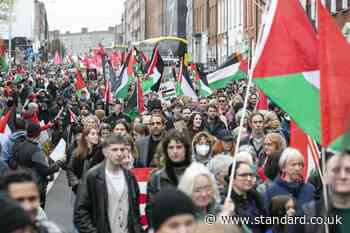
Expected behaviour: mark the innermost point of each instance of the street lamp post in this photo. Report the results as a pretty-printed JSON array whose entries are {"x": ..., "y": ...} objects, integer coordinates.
[{"x": 10, "y": 35}]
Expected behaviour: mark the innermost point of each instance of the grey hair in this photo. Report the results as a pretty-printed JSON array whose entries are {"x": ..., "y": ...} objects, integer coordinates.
[
  {"x": 220, "y": 163},
  {"x": 244, "y": 156},
  {"x": 194, "y": 170},
  {"x": 287, "y": 155}
]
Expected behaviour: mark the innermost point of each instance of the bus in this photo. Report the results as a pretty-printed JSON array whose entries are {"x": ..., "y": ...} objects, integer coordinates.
[{"x": 171, "y": 48}]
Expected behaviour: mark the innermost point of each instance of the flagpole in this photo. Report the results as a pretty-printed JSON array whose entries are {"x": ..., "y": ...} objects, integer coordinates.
[
  {"x": 250, "y": 77},
  {"x": 324, "y": 186},
  {"x": 240, "y": 128}
]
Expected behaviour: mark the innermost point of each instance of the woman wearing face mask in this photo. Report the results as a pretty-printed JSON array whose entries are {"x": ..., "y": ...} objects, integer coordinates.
[
  {"x": 202, "y": 147},
  {"x": 199, "y": 184},
  {"x": 177, "y": 157}
]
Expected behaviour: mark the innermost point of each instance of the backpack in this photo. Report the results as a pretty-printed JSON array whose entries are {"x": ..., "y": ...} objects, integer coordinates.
[
  {"x": 12, "y": 162},
  {"x": 21, "y": 157}
]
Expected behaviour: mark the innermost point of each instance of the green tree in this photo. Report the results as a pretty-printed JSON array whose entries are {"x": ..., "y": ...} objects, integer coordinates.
[
  {"x": 55, "y": 45},
  {"x": 5, "y": 7}
]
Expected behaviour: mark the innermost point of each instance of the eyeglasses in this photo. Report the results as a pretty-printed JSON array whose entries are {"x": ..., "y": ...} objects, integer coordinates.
[{"x": 222, "y": 101}]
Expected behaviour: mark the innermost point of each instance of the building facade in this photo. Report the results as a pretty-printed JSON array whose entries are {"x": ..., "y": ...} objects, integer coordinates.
[
  {"x": 236, "y": 41},
  {"x": 155, "y": 18},
  {"x": 200, "y": 32},
  {"x": 82, "y": 42},
  {"x": 134, "y": 19},
  {"x": 28, "y": 23}
]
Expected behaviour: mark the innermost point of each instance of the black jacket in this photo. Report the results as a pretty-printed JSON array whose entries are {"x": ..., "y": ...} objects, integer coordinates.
[
  {"x": 91, "y": 206},
  {"x": 215, "y": 127}
]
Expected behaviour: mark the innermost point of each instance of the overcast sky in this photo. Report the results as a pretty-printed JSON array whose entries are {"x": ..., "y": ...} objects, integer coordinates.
[{"x": 72, "y": 15}]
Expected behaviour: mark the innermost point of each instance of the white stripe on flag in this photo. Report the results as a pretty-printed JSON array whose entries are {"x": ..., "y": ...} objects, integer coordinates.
[{"x": 143, "y": 187}]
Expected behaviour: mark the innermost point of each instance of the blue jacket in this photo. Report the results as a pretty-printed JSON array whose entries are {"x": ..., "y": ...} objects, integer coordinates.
[
  {"x": 6, "y": 152},
  {"x": 302, "y": 192}
]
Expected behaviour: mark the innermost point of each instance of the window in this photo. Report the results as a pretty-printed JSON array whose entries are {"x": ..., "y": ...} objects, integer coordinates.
[
  {"x": 345, "y": 4},
  {"x": 334, "y": 6}
]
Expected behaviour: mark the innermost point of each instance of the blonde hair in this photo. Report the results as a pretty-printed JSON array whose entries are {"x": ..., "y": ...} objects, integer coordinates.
[
  {"x": 277, "y": 140},
  {"x": 194, "y": 170}
]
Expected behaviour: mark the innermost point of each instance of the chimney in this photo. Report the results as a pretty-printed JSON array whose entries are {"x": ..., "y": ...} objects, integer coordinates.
[{"x": 84, "y": 30}]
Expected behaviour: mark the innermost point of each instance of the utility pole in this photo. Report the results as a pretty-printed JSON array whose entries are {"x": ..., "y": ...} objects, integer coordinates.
[{"x": 227, "y": 36}]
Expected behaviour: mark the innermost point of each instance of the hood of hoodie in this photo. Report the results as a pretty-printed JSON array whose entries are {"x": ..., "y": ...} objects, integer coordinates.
[{"x": 17, "y": 135}]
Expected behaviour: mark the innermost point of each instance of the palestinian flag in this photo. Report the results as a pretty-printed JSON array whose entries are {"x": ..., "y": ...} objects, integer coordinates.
[
  {"x": 224, "y": 76},
  {"x": 7, "y": 124},
  {"x": 80, "y": 85},
  {"x": 135, "y": 105},
  {"x": 142, "y": 176},
  {"x": 334, "y": 58},
  {"x": 203, "y": 90},
  {"x": 153, "y": 77},
  {"x": 285, "y": 65},
  {"x": 308, "y": 149},
  {"x": 122, "y": 85},
  {"x": 183, "y": 84}
]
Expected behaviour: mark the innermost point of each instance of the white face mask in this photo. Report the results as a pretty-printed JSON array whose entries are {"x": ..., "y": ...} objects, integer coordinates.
[{"x": 202, "y": 149}]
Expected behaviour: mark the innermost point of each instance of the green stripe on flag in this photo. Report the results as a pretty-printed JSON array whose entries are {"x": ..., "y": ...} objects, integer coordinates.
[{"x": 303, "y": 106}]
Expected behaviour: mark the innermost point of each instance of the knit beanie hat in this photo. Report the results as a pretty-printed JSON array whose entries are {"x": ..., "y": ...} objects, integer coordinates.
[
  {"x": 12, "y": 216},
  {"x": 33, "y": 130},
  {"x": 168, "y": 203}
]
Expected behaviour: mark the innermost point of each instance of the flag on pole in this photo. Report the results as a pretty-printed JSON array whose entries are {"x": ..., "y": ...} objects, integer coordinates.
[
  {"x": 80, "y": 87},
  {"x": 285, "y": 65},
  {"x": 183, "y": 85},
  {"x": 57, "y": 60},
  {"x": 203, "y": 89},
  {"x": 307, "y": 147},
  {"x": 135, "y": 105},
  {"x": 334, "y": 58},
  {"x": 153, "y": 77},
  {"x": 224, "y": 76},
  {"x": 121, "y": 87}
]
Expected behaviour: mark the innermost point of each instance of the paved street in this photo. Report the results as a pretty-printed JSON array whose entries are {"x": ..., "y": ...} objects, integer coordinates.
[{"x": 59, "y": 204}]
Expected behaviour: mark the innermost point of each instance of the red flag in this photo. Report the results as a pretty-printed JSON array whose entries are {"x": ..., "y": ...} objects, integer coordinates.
[
  {"x": 263, "y": 102},
  {"x": 140, "y": 99},
  {"x": 107, "y": 92},
  {"x": 334, "y": 57},
  {"x": 101, "y": 50},
  {"x": 79, "y": 82},
  {"x": 57, "y": 60}
]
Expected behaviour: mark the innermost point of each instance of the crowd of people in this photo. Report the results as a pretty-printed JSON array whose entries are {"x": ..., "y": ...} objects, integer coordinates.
[{"x": 189, "y": 143}]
